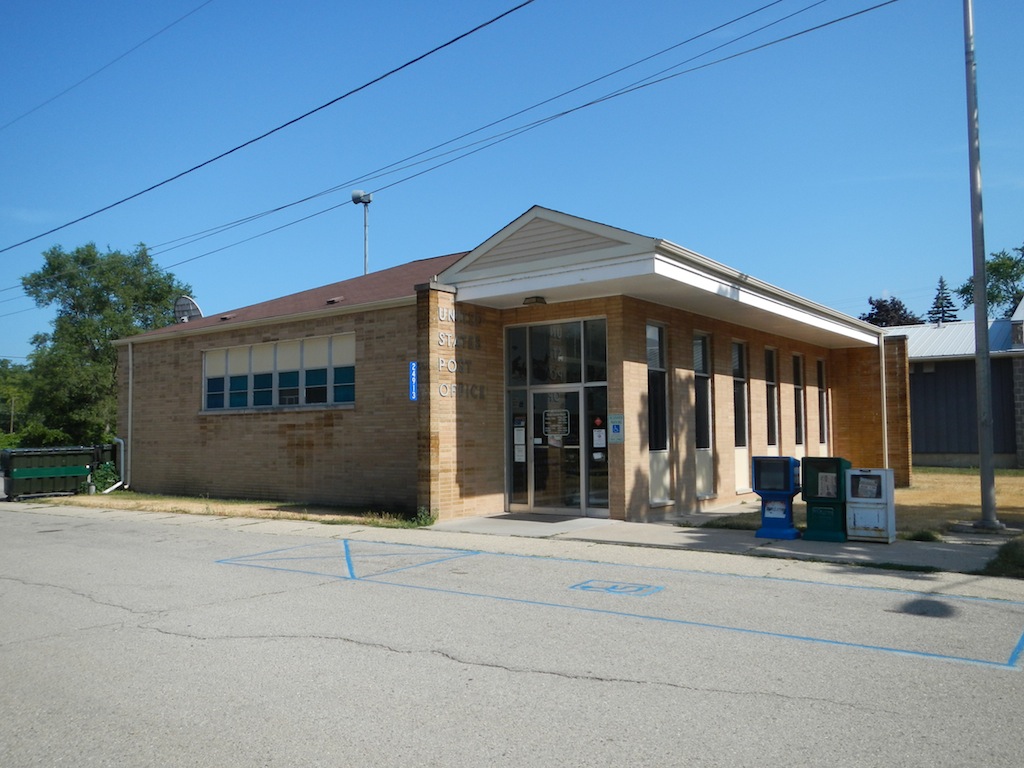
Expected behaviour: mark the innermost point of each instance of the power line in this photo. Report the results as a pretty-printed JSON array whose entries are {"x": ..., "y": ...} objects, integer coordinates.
[
  {"x": 488, "y": 142},
  {"x": 272, "y": 131},
  {"x": 104, "y": 67},
  {"x": 495, "y": 139},
  {"x": 403, "y": 163}
]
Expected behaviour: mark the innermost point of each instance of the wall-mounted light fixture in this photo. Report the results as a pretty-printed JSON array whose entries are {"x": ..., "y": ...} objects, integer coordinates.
[{"x": 534, "y": 300}]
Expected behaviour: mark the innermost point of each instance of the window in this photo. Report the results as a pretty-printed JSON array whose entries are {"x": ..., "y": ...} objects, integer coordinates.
[
  {"x": 288, "y": 388},
  {"x": 316, "y": 386},
  {"x": 798, "y": 399},
  {"x": 315, "y": 371},
  {"x": 215, "y": 392},
  {"x": 238, "y": 394},
  {"x": 771, "y": 382},
  {"x": 822, "y": 404},
  {"x": 262, "y": 389},
  {"x": 345, "y": 384},
  {"x": 739, "y": 393},
  {"x": 555, "y": 352},
  {"x": 657, "y": 390},
  {"x": 595, "y": 350},
  {"x": 702, "y": 385}
]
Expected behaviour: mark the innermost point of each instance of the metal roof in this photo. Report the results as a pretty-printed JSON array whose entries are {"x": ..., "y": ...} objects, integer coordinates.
[{"x": 951, "y": 340}]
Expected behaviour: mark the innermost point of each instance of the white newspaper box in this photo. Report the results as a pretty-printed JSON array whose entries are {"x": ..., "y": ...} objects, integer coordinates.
[{"x": 870, "y": 505}]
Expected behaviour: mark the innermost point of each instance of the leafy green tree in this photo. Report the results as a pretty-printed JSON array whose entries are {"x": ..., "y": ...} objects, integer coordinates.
[
  {"x": 1004, "y": 274},
  {"x": 886, "y": 313},
  {"x": 14, "y": 396},
  {"x": 943, "y": 308},
  {"x": 99, "y": 297}
]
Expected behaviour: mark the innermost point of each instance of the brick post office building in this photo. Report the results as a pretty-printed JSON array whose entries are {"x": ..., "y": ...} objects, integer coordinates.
[{"x": 561, "y": 366}]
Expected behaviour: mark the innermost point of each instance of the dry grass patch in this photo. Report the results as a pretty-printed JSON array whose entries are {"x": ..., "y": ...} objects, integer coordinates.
[
  {"x": 938, "y": 498},
  {"x": 268, "y": 510}
]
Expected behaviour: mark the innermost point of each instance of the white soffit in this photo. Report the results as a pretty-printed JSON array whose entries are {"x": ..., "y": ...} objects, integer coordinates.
[{"x": 563, "y": 258}]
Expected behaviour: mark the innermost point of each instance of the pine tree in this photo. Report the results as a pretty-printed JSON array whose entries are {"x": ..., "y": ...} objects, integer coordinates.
[{"x": 943, "y": 308}]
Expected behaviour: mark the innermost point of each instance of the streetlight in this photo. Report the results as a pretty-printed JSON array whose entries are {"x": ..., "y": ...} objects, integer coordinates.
[{"x": 365, "y": 198}]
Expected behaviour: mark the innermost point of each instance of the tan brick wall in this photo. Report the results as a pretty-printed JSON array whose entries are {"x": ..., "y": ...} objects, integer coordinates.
[
  {"x": 462, "y": 450},
  {"x": 857, "y": 405},
  {"x": 363, "y": 455},
  {"x": 447, "y": 451}
]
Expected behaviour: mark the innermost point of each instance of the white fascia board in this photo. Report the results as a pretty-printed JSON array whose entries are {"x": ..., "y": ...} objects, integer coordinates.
[
  {"x": 764, "y": 297},
  {"x": 573, "y": 276}
]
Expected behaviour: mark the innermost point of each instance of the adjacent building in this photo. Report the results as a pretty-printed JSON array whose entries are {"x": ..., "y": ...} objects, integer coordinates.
[
  {"x": 561, "y": 366},
  {"x": 943, "y": 391}
]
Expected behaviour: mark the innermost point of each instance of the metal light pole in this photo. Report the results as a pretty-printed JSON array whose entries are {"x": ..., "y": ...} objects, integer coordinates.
[
  {"x": 365, "y": 198},
  {"x": 982, "y": 360}
]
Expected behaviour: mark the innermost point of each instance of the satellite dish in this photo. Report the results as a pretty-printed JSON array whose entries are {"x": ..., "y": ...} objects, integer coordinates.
[{"x": 185, "y": 309}]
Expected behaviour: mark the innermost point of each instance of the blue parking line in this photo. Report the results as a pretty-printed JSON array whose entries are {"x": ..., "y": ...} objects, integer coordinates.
[
  {"x": 702, "y": 625},
  {"x": 263, "y": 560},
  {"x": 348, "y": 560}
]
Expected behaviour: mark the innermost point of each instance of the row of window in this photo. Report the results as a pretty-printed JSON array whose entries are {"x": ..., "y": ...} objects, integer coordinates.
[
  {"x": 317, "y": 371},
  {"x": 658, "y": 394},
  {"x": 290, "y": 388}
]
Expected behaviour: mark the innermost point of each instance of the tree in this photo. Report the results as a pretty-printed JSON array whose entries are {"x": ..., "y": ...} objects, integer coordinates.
[
  {"x": 1004, "y": 274},
  {"x": 99, "y": 297},
  {"x": 886, "y": 313},
  {"x": 14, "y": 397},
  {"x": 943, "y": 309}
]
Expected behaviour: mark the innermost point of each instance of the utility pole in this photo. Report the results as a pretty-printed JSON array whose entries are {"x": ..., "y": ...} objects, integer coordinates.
[{"x": 982, "y": 359}]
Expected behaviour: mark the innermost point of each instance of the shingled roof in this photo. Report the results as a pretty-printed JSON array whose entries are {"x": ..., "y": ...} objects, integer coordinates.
[{"x": 383, "y": 287}]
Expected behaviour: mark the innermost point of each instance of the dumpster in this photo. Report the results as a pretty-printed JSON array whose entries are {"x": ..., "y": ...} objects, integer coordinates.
[
  {"x": 824, "y": 492},
  {"x": 776, "y": 481},
  {"x": 871, "y": 505},
  {"x": 45, "y": 471}
]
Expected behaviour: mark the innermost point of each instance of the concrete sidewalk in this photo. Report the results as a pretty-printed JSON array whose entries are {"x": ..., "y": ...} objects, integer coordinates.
[{"x": 964, "y": 553}]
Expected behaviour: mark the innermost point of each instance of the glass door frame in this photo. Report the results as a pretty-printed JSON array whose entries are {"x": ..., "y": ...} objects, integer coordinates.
[{"x": 521, "y": 427}]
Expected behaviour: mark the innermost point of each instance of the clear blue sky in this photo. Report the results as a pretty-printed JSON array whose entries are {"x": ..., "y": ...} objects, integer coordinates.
[{"x": 833, "y": 165}]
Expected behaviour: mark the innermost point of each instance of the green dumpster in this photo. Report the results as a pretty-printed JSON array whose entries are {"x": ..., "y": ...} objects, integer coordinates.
[{"x": 44, "y": 471}]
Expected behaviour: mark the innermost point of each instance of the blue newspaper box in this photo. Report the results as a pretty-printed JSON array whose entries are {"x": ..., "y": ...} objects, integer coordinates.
[{"x": 776, "y": 481}]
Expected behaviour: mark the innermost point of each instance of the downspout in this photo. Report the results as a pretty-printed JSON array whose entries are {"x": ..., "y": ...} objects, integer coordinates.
[
  {"x": 120, "y": 464},
  {"x": 885, "y": 397},
  {"x": 126, "y": 472}
]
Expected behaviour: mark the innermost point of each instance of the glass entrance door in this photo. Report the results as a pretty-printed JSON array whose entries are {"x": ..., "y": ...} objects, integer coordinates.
[
  {"x": 557, "y": 480},
  {"x": 557, "y": 418}
]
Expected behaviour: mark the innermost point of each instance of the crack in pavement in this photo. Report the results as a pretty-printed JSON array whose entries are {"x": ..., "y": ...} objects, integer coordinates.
[{"x": 571, "y": 676}]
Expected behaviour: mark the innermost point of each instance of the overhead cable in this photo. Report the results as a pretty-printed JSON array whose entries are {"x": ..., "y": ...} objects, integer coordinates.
[{"x": 272, "y": 131}]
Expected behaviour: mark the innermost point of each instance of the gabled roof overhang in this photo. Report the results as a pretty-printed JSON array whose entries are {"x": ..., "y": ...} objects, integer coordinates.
[{"x": 564, "y": 258}]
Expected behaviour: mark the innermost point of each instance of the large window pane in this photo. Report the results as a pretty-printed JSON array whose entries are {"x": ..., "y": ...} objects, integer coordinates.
[
  {"x": 772, "y": 396},
  {"x": 238, "y": 397},
  {"x": 316, "y": 386},
  {"x": 595, "y": 335},
  {"x": 739, "y": 393},
  {"x": 555, "y": 354},
  {"x": 702, "y": 390},
  {"x": 657, "y": 390},
  {"x": 798, "y": 400},
  {"x": 345, "y": 384},
  {"x": 515, "y": 356},
  {"x": 215, "y": 392},
  {"x": 288, "y": 388}
]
